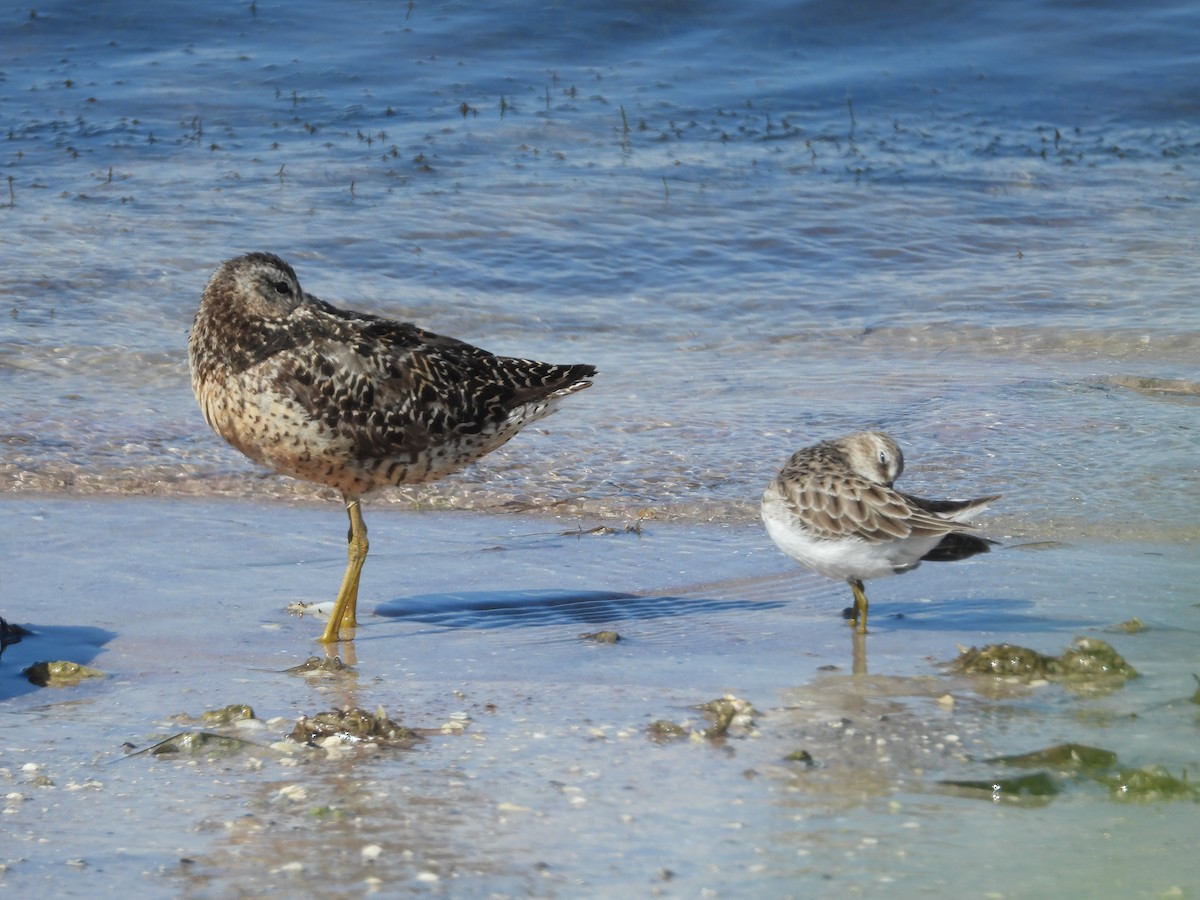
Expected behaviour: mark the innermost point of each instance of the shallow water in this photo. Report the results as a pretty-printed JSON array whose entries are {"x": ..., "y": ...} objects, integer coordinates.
[
  {"x": 766, "y": 227},
  {"x": 553, "y": 787},
  {"x": 973, "y": 227}
]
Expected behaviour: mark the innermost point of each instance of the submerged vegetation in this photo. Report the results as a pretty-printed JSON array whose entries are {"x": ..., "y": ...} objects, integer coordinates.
[
  {"x": 1088, "y": 665},
  {"x": 727, "y": 716},
  {"x": 1063, "y": 763}
]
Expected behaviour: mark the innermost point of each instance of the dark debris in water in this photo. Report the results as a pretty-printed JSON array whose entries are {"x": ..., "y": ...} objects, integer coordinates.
[
  {"x": 354, "y": 725},
  {"x": 210, "y": 744},
  {"x": 1150, "y": 784},
  {"x": 1037, "y": 787},
  {"x": 634, "y": 527},
  {"x": 234, "y": 712},
  {"x": 663, "y": 730},
  {"x": 728, "y": 715},
  {"x": 801, "y": 756},
  {"x": 215, "y": 718},
  {"x": 1132, "y": 625},
  {"x": 1077, "y": 763},
  {"x": 317, "y": 665},
  {"x": 1061, "y": 758},
  {"x": 199, "y": 743}
]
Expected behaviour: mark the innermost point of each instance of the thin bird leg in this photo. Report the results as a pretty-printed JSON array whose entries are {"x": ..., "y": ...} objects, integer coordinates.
[
  {"x": 860, "y": 606},
  {"x": 345, "y": 608}
]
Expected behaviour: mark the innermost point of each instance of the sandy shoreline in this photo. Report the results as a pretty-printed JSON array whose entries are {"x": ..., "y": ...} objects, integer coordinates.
[{"x": 544, "y": 782}]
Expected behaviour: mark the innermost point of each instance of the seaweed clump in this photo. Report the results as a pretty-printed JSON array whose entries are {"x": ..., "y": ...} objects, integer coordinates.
[
  {"x": 663, "y": 730},
  {"x": 1150, "y": 784},
  {"x": 199, "y": 744},
  {"x": 1079, "y": 763},
  {"x": 727, "y": 715},
  {"x": 60, "y": 673},
  {"x": 318, "y": 665},
  {"x": 1033, "y": 789},
  {"x": 1088, "y": 664},
  {"x": 601, "y": 637},
  {"x": 353, "y": 725},
  {"x": 1062, "y": 758}
]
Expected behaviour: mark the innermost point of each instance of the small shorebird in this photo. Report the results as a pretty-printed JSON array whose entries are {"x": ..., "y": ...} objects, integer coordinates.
[
  {"x": 832, "y": 508},
  {"x": 350, "y": 400}
]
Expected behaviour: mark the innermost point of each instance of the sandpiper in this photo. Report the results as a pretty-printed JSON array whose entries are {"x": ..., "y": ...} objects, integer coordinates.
[
  {"x": 350, "y": 400},
  {"x": 833, "y": 509}
]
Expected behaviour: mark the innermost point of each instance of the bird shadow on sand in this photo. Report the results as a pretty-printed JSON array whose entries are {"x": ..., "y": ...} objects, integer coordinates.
[{"x": 528, "y": 608}]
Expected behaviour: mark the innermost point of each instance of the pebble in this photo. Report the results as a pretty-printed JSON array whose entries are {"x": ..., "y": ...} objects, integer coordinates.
[{"x": 293, "y": 792}]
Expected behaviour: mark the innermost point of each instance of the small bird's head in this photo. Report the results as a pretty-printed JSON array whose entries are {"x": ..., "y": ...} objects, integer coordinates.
[
  {"x": 874, "y": 456},
  {"x": 258, "y": 285}
]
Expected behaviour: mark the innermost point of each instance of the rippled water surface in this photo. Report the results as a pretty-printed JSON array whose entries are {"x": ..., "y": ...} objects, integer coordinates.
[{"x": 972, "y": 227}]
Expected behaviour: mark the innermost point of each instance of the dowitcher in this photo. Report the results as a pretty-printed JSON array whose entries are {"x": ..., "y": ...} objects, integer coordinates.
[
  {"x": 833, "y": 509},
  {"x": 350, "y": 400}
]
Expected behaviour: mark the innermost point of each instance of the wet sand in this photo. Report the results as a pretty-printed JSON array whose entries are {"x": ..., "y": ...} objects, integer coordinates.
[{"x": 537, "y": 776}]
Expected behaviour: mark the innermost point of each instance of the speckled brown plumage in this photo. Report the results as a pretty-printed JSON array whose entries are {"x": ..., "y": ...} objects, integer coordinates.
[
  {"x": 351, "y": 400},
  {"x": 833, "y": 509}
]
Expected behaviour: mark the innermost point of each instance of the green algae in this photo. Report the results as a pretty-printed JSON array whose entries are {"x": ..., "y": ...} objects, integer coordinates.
[
  {"x": 1061, "y": 757},
  {"x": 60, "y": 673},
  {"x": 226, "y": 715},
  {"x": 1038, "y": 786},
  {"x": 663, "y": 730},
  {"x": 601, "y": 637},
  {"x": 1150, "y": 784},
  {"x": 354, "y": 725},
  {"x": 199, "y": 743},
  {"x": 1088, "y": 665},
  {"x": 727, "y": 713}
]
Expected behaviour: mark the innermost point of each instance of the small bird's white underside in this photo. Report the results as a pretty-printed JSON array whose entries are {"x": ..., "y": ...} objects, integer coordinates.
[{"x": 848, "y": 558}]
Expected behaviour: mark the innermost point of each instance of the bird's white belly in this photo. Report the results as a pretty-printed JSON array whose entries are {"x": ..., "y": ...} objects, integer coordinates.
[{"x": 848, "y": 558}]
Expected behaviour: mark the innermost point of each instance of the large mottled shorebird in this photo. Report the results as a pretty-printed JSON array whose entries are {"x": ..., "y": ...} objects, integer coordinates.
[
  {"x": 833, "y": 509},
  {"x": 350, "y": 400}
]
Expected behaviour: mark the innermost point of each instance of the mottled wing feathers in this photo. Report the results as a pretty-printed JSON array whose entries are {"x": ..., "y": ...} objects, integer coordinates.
[
  {"x": 855, "y": 507},
  {"x": 397, "y": 388},
  {"x": 830, "y": 501}
]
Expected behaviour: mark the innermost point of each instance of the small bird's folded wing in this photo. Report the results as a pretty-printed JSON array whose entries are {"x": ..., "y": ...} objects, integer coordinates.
[{"x": 850, "y": 506}]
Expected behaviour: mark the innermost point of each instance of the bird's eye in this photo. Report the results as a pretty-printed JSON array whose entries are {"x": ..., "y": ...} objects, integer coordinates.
[
  {"x": 883, "y": 458},
  {"x": 282, "y": 287}
]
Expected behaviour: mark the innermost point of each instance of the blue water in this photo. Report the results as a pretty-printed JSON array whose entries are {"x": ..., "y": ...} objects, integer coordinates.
[{"x": 970, "y": 224}]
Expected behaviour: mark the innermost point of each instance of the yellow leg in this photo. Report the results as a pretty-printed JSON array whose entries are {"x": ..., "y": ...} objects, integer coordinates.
[
  {"x": 859, "y": 653},
  {"x": 345, "y": 608},
  {"x": 860, "y": 606}
]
